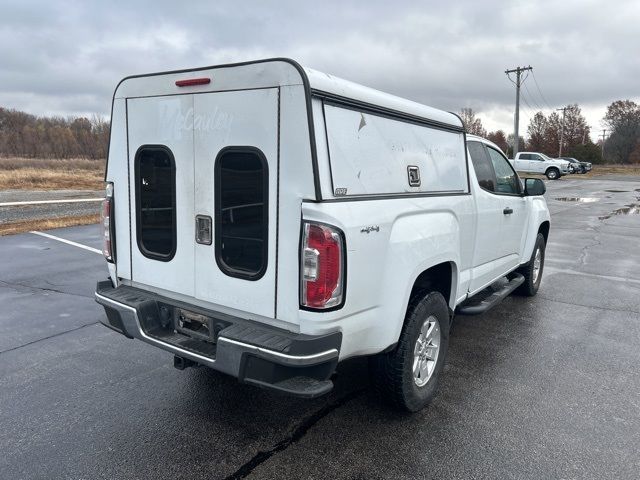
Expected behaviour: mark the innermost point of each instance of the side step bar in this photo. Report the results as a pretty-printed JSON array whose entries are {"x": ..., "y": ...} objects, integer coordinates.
[{"x": 502, "y": 289}]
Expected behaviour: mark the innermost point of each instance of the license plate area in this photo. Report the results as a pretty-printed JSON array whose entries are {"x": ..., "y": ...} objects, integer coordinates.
[
  {"x": 193, "y": 324},
  {"x": 197, "y": 325}
]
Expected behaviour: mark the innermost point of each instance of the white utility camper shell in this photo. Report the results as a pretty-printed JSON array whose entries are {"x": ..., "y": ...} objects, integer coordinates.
[{"x": 220, "y": 180}]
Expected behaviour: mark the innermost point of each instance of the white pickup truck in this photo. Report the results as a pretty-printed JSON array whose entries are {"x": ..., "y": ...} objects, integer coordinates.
[
  {"x": 268, "y": 221},
  {"x": 533, "y": 162}
]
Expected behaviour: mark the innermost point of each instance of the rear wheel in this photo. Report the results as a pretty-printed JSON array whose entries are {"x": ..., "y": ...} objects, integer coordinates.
[
  {"x": 553, "y": 173},
  {"x": 532, "y": 271},
  {"x": 407, "y": 377}
]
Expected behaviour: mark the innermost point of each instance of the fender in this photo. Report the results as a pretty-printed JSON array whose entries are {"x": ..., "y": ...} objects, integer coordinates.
[
  {"x": 538, "y": 214},
  {"x": 418, "y": 241}
]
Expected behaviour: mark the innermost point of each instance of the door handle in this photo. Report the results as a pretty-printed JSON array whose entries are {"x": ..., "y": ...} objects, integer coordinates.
[
  {"x": 507, "y": 211},
  {"x": 203, "y": 229}
]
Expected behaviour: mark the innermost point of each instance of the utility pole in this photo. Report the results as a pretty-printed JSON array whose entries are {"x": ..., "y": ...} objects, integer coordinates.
[
  {"x": 561, "y": 130},
  {"x": 516, "y": 119},
  {"x": 604, "y": 135}
]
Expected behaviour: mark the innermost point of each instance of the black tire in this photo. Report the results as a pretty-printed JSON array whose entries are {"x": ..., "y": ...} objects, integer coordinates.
[
  {"x": 531, "y": 284},
  {"x": 553, "y": 173},
  {"x": 392, "y": 372}
]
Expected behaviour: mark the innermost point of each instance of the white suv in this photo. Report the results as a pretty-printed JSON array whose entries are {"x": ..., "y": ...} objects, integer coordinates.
[{"x": 268, "y": 221}]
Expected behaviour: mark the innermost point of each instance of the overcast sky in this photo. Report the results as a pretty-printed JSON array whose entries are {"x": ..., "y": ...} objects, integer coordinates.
[{"x": 66, "y": 57}]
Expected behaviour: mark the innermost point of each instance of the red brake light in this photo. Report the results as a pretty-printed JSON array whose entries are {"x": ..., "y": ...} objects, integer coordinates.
[
  {"x": 322, "y": 266},
  {"x": 193, "y": 81},
  {"x": 106, "y": 214}
]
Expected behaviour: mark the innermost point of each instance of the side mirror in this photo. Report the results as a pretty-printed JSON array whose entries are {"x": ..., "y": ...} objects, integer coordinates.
[{"x": 533, "y": 187}]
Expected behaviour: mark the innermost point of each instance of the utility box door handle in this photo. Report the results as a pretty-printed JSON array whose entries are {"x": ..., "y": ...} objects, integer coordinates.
[{"x": 203, "y": 229}]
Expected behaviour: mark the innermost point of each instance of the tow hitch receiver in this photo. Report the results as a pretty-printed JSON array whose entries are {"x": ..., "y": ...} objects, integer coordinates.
[{"x": 181, "y": 363}]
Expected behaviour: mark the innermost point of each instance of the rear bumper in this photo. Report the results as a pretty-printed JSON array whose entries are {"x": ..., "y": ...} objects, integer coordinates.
[{"x": 254, "y": 353}]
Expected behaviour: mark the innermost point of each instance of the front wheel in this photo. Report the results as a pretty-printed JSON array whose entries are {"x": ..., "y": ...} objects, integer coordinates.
[
  {"x": 407, "y": 377},
  {"x": 532, "y": 271},
  {"x": 553, "y": 174}
]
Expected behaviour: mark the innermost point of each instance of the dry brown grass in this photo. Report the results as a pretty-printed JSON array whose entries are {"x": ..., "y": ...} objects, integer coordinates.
[
  {"x": 615, "y": 170},
  {"x": 51, "y": 174},
  {"x": 28, "y": 225},
  {"x": 17, "y": 163}
]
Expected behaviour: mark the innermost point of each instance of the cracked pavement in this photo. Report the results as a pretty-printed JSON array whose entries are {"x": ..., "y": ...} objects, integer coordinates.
[{"x": 536, "y": 388}]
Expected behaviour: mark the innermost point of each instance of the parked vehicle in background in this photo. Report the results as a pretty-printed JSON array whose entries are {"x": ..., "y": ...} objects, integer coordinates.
[
  {"x": 534, "y": 162},
  {"x": 268, "y": 221},
  {"x": 578, "y": 166}
]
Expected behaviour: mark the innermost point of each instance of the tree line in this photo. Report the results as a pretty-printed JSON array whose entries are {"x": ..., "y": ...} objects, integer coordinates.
[
  {"x": 26, "y": 135},
  {"x": 568, "y": 133}
]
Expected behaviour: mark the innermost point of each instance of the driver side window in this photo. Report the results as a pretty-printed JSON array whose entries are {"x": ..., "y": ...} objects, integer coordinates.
[{"x": 506, "y": 178}]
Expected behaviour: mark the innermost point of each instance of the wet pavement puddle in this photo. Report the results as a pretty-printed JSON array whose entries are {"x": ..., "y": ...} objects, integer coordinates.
[
  {"x": 633, "y": 209},
  {"x": 578, "y": 199}
]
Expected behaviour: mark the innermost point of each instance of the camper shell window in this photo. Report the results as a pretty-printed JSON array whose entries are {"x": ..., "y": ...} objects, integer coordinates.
[
  {"x": 241, "y": 212},
  {"x": 370, "y": 154},
  {"x": 155, "y": 176}
]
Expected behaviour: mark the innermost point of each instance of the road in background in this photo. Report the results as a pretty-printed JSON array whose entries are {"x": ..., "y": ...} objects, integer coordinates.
[
  {"x": 10, "y": 214},
  {"x": 543, "y": 387}
]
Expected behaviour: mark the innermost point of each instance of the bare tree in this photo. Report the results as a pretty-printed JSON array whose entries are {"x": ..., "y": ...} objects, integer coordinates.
[
  {"x": 623, "y": 119},
  {"x": 26, "y": 135},
  {"x": 471, "y": 123},
  {"x": 500, "y": 139}
]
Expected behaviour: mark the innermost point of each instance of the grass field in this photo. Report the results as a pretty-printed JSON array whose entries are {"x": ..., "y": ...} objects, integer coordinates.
[
  {"x": 51, "y": 174},
  {"x": 613, "y": 170},
  {"x": 28, "y": 225}
]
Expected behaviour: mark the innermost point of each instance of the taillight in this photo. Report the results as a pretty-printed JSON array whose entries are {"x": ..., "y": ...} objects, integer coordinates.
[
  {"x": 323, "y": 266},
  {"x": 107, "y": 215}
]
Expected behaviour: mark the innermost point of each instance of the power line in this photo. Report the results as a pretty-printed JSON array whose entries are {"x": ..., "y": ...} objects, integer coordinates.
[
  {"x": 532, "y": 98},
  {"x": 528, "y": 111},
  {"x": 540, "y": 91}
]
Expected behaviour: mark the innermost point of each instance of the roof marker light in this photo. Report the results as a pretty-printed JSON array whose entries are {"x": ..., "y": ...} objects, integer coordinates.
[{"x": 193, "y": 81}]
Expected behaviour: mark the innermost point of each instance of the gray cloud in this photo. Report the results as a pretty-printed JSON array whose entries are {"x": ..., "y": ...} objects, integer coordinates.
[{"x": 66, "y": 57}]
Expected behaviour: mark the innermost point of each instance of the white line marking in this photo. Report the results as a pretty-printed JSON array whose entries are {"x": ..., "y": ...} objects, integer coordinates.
[
  {"x": 44, "y": 202},
  {"x": 552, "y": 270},
  {"x": 68, "y": 242}
]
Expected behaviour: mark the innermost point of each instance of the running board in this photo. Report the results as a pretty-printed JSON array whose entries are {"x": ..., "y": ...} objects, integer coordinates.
[{"x": 501, "y": 290}]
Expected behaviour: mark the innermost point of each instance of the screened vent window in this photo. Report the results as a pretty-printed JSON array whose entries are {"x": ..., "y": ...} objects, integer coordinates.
[
  {"x": 155, "y": 202},
  {"x": 241, "y": 231}
]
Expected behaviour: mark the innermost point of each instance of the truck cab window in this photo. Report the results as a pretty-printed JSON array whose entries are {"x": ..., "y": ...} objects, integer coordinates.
[
  {"x": 506, "y": 179},
  {"x": 241, "y": 184},
  {"x": 155, "y": 202},
  {"x": 482, "y": 166}
]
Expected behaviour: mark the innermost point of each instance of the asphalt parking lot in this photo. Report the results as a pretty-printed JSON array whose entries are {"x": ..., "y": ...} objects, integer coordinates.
[{"x": 547, "y": 387}]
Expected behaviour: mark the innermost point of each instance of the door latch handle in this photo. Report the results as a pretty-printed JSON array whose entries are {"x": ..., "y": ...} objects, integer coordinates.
[
  {"x": 507, "y": 211},
  {"x": 203, "y": 229}
]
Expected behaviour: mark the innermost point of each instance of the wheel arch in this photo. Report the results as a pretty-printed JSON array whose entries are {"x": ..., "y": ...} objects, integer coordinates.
[
  {"x": 544, "y": 230},
  {"x": 439, "y": 278}
]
